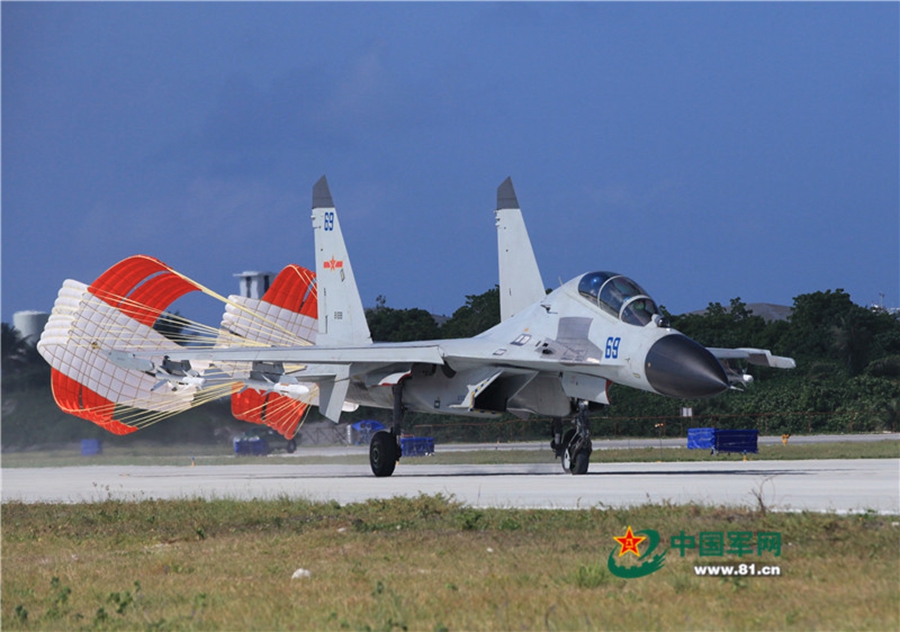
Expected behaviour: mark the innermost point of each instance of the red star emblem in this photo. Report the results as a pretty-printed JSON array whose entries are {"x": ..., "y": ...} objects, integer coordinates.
[
  {"x": 334, "y": 264},
  {"x": 630, "y": 542}
]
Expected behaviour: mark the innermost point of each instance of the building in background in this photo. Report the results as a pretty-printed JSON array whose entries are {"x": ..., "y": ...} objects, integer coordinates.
[
  {"x": 255, "y": 284},
  {"x": 30, "y": 324}
]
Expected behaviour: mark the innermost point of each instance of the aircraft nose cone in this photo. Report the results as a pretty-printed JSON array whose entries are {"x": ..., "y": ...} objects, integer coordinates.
[{"x": 679, "y": 367}]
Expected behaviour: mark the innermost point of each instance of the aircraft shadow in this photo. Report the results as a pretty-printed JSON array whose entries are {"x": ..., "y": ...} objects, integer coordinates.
[{"x": 406, "y": 474}]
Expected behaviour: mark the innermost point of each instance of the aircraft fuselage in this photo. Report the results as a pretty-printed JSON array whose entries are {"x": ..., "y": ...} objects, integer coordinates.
[{"x": 563, "y": 349}]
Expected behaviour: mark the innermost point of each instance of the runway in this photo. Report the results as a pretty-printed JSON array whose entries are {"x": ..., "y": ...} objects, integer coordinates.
[{"x": 823, "y": 485}]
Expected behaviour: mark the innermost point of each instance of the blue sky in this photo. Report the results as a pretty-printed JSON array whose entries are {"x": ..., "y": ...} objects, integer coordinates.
[{"x": 710, "y": 150}]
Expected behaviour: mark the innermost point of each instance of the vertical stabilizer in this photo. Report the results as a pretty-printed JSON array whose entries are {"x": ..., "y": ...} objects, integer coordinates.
[
  {"x": 342, "y": 320},
  {"x": 520, "y": 279}
]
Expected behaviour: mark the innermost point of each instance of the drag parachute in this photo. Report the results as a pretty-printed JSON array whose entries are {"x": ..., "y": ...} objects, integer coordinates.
[
  {"x": 286, "y": 315},
  {"x": 125, "y": 308}
]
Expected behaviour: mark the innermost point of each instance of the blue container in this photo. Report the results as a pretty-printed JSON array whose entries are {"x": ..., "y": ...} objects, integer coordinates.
[
  {"x": 365, "y": 429},
  {"x": 701, "y": 438},
  {"x": 416, "y": 446},
  {"x": 91, "y": 447},
  {"x": 255, "y": 446},
  {"x": 742, "y": 441}
]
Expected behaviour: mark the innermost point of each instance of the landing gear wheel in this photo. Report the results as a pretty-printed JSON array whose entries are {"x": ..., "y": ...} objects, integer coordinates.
[
  {"x": 383, "y": 453},
  {"x": 576, "y": 463},
  {"x": 580, "y": 462},
  {"x": 291, "y": 446},
  {"x": 564, "y": 457}
]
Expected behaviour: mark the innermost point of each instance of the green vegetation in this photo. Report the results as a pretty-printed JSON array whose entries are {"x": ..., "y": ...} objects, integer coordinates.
[
  {"x": 847, "y": 380},
  {"x": 428, "y": 563},
  {"x": 480, "y": 313},
  {"x": 21, "y": 365},
  {"x": 847, "y": 377}
]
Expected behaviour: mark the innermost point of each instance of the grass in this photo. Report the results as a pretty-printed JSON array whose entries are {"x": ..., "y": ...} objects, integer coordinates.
[
  {"x": 427, "y": 563},
  {"x": 140, "y": 453},
  {"x": 149, "y": 454}
]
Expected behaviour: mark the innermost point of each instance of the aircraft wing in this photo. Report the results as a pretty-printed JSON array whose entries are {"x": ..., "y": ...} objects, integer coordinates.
[
  {"x": 458, "y": 354},
  {"x": 368, "y": 354},
  {"x": 332, "y": 368}
]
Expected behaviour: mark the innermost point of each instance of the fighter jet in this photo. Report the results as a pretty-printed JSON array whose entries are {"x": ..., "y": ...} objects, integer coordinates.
[{"x": 552, "y": 355}]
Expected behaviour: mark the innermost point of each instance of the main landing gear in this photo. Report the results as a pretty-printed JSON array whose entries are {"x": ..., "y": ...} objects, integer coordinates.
[
  {"x": 384, "y": 450},
  {"x": 573, "y": 448}
]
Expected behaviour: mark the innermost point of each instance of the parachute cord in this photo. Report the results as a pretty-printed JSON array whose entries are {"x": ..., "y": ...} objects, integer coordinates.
[{"x": 253, "y": 315}]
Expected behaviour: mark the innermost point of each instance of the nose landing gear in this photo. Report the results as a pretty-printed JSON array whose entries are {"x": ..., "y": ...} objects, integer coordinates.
[{"x": 574, "y": 447}]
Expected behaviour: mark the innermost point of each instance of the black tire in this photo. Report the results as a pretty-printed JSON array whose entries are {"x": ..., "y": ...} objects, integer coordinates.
[
  {"x": 565, "y": 458},
  {"x": 291, "y": 446},
  {"x": 580, "y": 462},
  {"x": 383, "y": 453}
]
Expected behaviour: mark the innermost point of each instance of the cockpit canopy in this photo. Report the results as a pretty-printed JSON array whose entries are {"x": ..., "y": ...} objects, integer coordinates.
[{"x": 619, "y": 296}]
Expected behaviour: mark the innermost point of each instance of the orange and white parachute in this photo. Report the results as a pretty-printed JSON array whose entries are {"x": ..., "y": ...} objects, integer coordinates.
[
  {"x": 285, "y": 315},
  {"x": 124, "y": 309}
]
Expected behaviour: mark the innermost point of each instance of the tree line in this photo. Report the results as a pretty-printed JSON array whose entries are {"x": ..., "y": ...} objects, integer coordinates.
[{"x": 847, "y": 378}]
